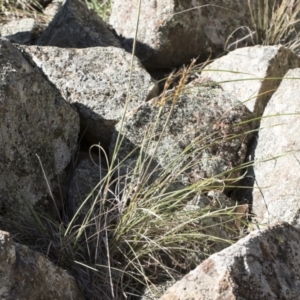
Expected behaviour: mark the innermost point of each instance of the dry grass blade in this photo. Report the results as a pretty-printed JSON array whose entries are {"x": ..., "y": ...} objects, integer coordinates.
[{"x": 275, "y": 21}]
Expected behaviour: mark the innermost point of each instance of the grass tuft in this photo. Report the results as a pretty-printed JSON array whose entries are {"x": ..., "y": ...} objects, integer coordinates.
[
  {"x": 136, "y": 234},
  {"x": 276, "y": 22}
]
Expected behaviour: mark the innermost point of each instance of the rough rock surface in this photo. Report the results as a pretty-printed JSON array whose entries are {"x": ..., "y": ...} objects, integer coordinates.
[
  {"x": 95, "y": 80},
  {"x": 154, "y": 293},
  {"x": 52, "y": 8},
  {"x": 86, "y": 175},
  {"x": 262, "y": 266},
  {"x": 276, "y": 193},
  {"x": 246, "y": 73},
  {"x": 75, "y": 26},
  {"x": 35, "y": 120},
  {"x": 18, "y": 31},
  {"x": 26, "y": 274},
  {"x": 202, "y": 26},
  {"x": 205, "y": 121}
]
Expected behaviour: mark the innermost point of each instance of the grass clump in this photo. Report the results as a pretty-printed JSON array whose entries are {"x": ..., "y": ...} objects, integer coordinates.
[
  {"x": 137, "y": 232},
  {"x": 276, "y": 22}
]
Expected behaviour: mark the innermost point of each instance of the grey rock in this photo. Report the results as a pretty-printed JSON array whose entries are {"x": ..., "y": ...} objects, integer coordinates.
[
  {"x": 276, "y": 194},
  {"x": 171, "y": 33},
  {"x": 154, "y": 292},
  {"x": 205, "y": 121},
  {"x": 95, "y": 80},
  {"x": 18, "y": 31},
  {"x": 264, "y": 266},
  {"x": 53, "y": 7},
  {"x": 85, "y": 183},
  {"x": 26, "y": 274},
  {"x": 214, "y": 225},
  {"x": 75, "y": 26},
  {"x": 253, "y": 74},
  {"x": 35, "y": 121}
]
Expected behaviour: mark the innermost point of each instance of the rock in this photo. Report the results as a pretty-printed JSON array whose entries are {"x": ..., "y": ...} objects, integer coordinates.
[
  {"x": 247, "y": 73},
  {"x": 154, "y": 292},
  {"x": 35, "y": 121},
  {"x": 18, "y": 31},
  {"x": 87, "y": 174},
  {"x": 171, "y": 33},
  {"x": 75, "y": 26},
  {"x": 26, "y": 274},
  {"x": 205, "y": 129},
  {"x": 277, "y": 159},
  {"x": 263, "y": 265},
  {"x": 53, "y": 8},
  {"x": 95, "y": 81}
]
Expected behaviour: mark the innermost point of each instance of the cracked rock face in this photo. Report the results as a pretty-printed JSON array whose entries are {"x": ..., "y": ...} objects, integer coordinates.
[
  {"x": 205, "y": 127},
  {"x": 39, "y": 129}
]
